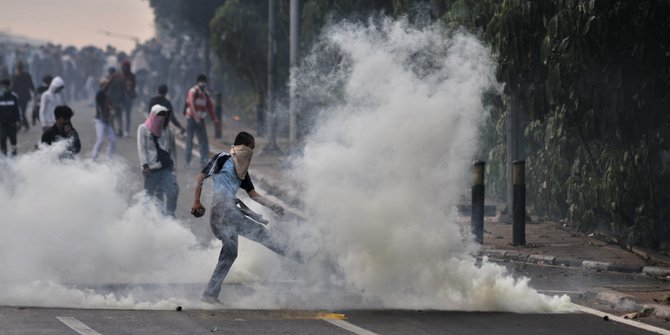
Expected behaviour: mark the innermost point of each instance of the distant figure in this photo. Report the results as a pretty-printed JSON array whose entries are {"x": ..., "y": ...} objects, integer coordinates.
[
  {"x": 22, "y": 85},
  {"x": 157, "y": 152},
  {"x": 103, "y": 123},
  {"x": 50, "y": 99},
  {"x": 63, "y": 130},
  {"x": 198, "y": 106},
  {"x": 46, "y": 80},
  {"x": 10, "y": 117},
  {"x": 116, "y": 91},
  {"x": 161, "y": 99},
  {"x": 130, "y": 95}
]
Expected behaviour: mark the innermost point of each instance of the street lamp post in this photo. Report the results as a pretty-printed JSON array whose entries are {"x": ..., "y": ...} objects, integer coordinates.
[
  {"x": 293, "y": 110},
  {"x": 271, "y": 146}
]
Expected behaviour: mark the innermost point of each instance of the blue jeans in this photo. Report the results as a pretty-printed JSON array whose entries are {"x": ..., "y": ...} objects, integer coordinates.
[
  {"x": 201, "y": 131},
  {"x": 102, "y": 129},
  {"x": 163, "y": 183},
  {"x": 228, "y": 223}
]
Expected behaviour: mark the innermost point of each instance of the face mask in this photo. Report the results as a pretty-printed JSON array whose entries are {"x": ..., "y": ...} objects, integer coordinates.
[{"x": 202, "y": 86}]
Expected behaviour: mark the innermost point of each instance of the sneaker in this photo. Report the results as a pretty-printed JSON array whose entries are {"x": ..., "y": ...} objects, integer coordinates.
[{"x": 211, "y": 300}]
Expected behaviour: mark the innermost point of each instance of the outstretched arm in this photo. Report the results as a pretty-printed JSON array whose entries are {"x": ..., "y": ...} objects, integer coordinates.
[{"x": 279, "y": 210}]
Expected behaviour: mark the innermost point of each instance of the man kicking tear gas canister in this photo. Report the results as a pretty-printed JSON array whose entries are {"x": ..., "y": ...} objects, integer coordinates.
[{"x": 228, "y": 222}]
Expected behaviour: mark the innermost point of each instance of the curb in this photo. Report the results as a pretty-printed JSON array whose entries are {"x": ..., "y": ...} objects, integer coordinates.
[
  {"x": 541, "y": 259},
  {"x": 631, "y": 303}
]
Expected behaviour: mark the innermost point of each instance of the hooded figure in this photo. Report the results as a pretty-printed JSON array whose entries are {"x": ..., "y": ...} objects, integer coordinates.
[
  {"x": 50, "y": 99},
  {"x": 157, "y": 152}
]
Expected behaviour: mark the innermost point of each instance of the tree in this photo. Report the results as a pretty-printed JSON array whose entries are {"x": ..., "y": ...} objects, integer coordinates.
[
  {"x": 592, "y": 81},
  {"x": 196, "y": 14}
]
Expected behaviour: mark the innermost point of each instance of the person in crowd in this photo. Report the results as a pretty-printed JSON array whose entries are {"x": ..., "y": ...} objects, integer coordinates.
[
  {"x": 161, "y": 99},
  {"x": 51, "y": 98},
  {"x": 198, "y": 106},
  {"x": 22, "y": 85},
  {"x": 229, "y": 172},
  {"x": 37, "y": 98},
  {"x": 103, "y": 123},
  {"x": 116, "y": 91},
  {"x": 62, "y": 129},
  {"x": 130, "y": 84},
  {"x": 10, "y": 117},
  {"x": 157, "y": 151}
]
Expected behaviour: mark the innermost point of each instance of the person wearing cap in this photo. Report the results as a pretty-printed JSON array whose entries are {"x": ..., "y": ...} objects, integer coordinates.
[
  {"x": 157, "y": 151},
  {"x": 10, "y": 117},
  {"x": 198, "y": 106}
]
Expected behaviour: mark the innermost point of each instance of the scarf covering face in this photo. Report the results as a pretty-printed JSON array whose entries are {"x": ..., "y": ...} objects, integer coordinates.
[
  {"x": 241, "y": 159},
  {"x": 155, "y": 122}
]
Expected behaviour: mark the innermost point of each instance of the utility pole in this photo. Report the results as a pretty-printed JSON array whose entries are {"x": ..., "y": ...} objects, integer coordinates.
[
  {"x": 295, "y": 42},
  {"x": 271, "y": 146}
]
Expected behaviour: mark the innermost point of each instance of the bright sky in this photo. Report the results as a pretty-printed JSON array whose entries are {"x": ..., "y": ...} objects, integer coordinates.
[{"x": 79, "y": 22}]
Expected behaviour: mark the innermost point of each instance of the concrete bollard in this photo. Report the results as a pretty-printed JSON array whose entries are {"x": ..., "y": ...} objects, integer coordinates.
[
  {"x": 519, "y": 203},
  {"x": 477, "y": 216}
]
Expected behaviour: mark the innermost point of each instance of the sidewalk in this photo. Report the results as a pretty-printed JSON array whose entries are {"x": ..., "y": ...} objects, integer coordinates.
[{"x": 547, "y": 242}]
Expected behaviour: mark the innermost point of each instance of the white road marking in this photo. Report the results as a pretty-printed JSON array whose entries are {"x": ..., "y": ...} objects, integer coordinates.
[
  {"x": 619, "y": 319},
  {"x": 350, "y": 327},
  {"x": 561, "y": 292},
  {"x": 77, "y": 325}
]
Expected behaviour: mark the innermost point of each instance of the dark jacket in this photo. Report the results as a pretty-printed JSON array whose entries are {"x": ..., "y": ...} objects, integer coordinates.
[
  {"x": 22, "y": 84},
  {"x": 9, "y": 108},
  {"x": 165, "y": 102},
  {"x": 54, "y": 134},
  {"x": 103, "y": 107}
]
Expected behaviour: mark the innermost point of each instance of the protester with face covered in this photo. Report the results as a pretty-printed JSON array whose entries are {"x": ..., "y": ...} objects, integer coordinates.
[
  {"x": 229, "y": 172},
  {"x": 62, "y": 129},
  {"x": 161, "y": 99},
  {"x": 50, "y": 99},
  {"x": 157, "y": 152},
  {"x": 10, "y": 117},
  {"x": 198, "y": 106}
]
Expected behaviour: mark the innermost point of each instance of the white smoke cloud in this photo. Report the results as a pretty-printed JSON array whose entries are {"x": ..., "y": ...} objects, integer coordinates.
[
  {"x": 397, "y": 112},
  {"x": 400, "y": 110},
  {"x": 69, "y": 228}
]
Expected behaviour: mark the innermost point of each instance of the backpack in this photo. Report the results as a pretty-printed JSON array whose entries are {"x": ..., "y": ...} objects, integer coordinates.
[
  {"x": 163, "y": 156},
  {"x": 218, "y": 163},
  {"x": 197, "y": 92}
]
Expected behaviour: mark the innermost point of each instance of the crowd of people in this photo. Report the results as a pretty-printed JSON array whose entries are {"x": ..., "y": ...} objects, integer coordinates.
[{"x": 108, "y": 80}]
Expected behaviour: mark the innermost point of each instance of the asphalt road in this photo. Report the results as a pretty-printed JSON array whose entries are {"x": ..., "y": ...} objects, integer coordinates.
[
  {"x": 71, "y": 321},
  {"x": 579, "y": 284}
]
